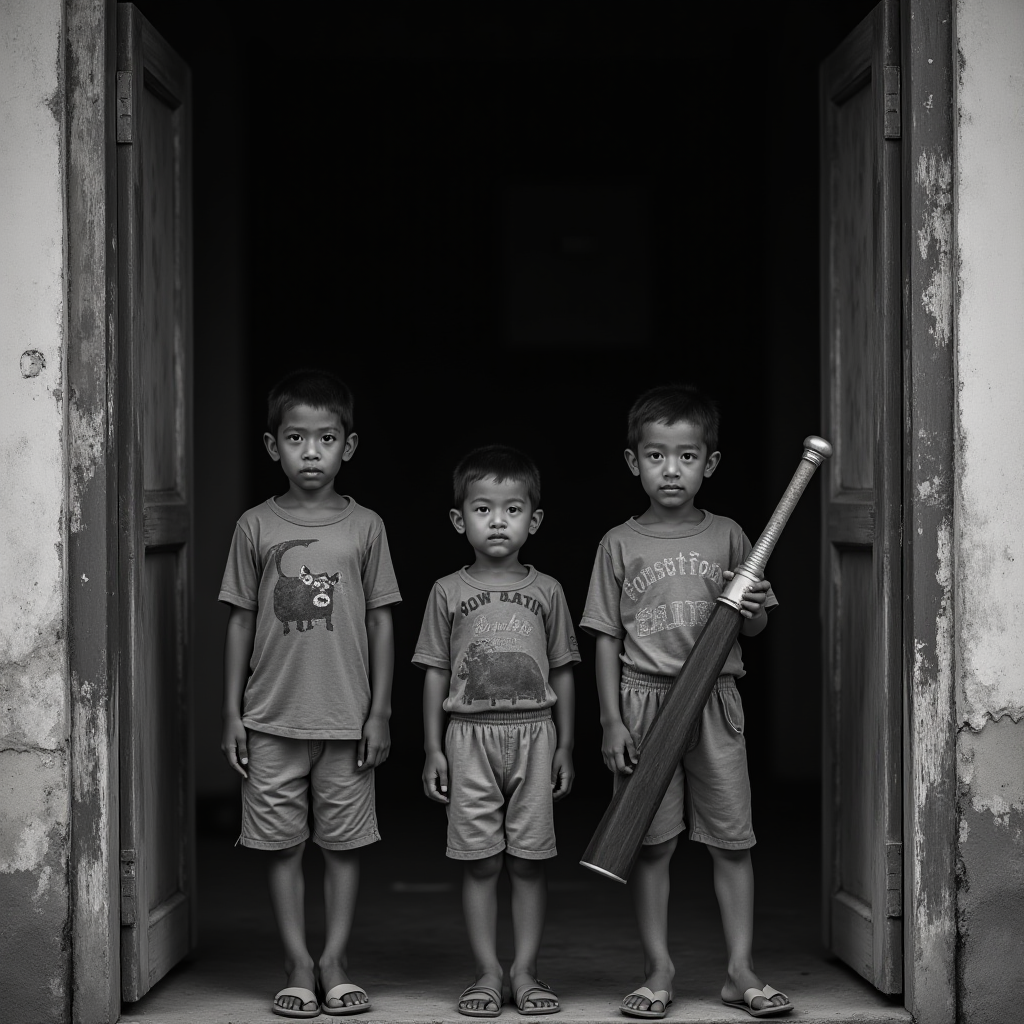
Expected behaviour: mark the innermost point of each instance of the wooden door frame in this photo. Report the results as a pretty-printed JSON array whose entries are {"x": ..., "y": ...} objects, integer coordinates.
[
  {"x": 929, "y": 722},
  {"x": 92, "y": 538},
  {"x": 90, "y": 50}
]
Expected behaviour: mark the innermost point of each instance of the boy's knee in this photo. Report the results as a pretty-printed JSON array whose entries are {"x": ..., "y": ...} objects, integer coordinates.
[
  {"x": 288, "y": 853},
  {"x": 724, "y": 856},
  {"x": 520, "y": 867},
  {"x": 485, "y": 868},
  {"x": 659, "y": 851}
]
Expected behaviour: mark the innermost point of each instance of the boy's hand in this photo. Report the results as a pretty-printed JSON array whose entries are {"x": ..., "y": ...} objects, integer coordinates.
[
  {"x": 435, "y": 777},
  {"x": 233, "y": 745},
  {"x": 373, "y": 749},
  {"x": 617, "y": 738},
  {"x": 562, "y": 773},
  {"x": 752, "y": 602}
]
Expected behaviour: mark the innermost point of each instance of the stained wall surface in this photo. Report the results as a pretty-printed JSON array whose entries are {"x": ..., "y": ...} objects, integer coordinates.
[
  {"x": 989, "y": 545},
  {"x": 34, "y": 800}
]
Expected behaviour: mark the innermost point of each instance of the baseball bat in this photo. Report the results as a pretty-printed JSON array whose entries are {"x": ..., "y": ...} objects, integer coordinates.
[{"x": 614, "y": 847}]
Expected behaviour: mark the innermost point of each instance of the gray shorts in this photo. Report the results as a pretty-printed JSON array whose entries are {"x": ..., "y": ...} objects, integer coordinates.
[
  {"x": 499, "y": 784},
  {"x": 712, "y": 776},
  {"x": 287, "y": 775}
]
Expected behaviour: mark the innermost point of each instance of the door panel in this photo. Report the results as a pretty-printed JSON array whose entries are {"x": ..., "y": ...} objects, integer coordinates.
[
  {"x": 158, "y": 893},
  {"x": 860, "y": 333}
]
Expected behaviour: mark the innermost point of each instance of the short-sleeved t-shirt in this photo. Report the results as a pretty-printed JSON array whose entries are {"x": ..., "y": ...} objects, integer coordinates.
[
  {"x": 499, "y": 643},
  {"x": 655, "y": 588},
  {"x": 310, "y": 584}
]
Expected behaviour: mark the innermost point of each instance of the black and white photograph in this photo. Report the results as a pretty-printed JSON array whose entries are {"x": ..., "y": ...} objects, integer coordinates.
[{"x": 513, "y": 509}]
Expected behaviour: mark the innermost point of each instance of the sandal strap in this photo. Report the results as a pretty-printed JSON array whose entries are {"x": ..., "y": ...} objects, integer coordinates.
[
  {"x": 305, "y": 994},
  {"x": 530, "y": 987},
  {"x": 342, "y": 990},
  {"x": 661, "y": 995},
  {"x": 492, "y": 993}
]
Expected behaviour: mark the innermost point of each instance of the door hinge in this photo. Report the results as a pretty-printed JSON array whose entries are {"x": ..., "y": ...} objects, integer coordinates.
[
  {"x": 891, "y": 82},
  {"x": 124, "y": 106},
  {"x": 893, "y": 879},
  {"x": 127, "y": 887}
]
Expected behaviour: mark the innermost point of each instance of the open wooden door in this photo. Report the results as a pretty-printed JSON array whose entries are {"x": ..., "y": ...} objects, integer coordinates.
[
  {"x": 154, "y": 386},
  {"x": 861, "y": 564}
]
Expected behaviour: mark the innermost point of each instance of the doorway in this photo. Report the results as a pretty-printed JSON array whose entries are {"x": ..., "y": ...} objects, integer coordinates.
[{"x": 504, "y": 229}]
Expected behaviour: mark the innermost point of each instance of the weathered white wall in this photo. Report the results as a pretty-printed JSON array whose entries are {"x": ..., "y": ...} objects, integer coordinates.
[
  {"x": 989, "y": 542},
  {"x": 34, "y": 797}
]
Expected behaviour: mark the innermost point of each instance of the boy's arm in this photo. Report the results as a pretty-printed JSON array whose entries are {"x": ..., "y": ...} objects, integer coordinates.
[
  {"x": 562, "y": 771},
  {"x": 435, "y": 766},
  {"x": 616, "y": 736},
  {"x": 238, "y": 645},
  {"x": 375, "y": 745}
]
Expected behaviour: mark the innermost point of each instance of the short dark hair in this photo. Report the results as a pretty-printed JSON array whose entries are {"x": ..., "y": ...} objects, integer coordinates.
[
  {"x": 671, "y": 403},
  {"x": 315, "y": 388},
  {"x": 501, "y": 462}
]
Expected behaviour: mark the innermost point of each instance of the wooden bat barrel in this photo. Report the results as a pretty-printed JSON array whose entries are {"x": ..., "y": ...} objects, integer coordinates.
[{"x": 616, "y": 843}]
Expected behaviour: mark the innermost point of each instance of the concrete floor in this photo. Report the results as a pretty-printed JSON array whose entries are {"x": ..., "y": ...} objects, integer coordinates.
[{"x": 409, "y": 949}]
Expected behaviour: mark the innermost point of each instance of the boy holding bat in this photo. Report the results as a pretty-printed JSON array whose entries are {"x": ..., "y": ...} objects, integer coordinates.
[{"x": 654, "y": 584}]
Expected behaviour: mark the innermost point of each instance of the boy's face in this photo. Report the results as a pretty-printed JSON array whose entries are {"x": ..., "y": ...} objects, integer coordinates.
[
  {"x": 672, "y": 462},
  {"x": 311, "y": 445},
  {"x": 496, "y": 517}
]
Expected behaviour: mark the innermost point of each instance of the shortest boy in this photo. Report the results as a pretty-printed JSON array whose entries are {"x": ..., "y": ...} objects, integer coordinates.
[
  {"x": 498, "y": 648},
  {"x": 307, "y": 679}
]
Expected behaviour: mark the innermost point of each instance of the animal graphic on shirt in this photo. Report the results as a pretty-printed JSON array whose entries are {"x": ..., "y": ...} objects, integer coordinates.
[
  {"x": 500, "y": 675},
  {"x": 304, "y": 598}
]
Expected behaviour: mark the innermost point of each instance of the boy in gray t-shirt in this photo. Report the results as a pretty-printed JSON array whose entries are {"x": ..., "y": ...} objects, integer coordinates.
[
  {"x": 655, "y": 581},
  {"x": 307, "y": 679},
  {"x": 498, "y": 650}
]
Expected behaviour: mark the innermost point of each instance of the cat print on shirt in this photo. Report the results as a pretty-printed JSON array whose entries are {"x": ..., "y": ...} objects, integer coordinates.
[{"x": 304, "y": 598}]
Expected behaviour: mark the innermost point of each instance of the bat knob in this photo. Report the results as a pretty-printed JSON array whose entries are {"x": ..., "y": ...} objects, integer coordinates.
[{"x": 817, "y": 449}]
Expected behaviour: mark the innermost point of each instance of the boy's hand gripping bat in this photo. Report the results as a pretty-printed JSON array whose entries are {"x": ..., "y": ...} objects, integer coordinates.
[{"x": 616, "y": 843}]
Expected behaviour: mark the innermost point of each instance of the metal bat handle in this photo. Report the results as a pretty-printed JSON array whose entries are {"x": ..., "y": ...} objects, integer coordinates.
[{"x": 816, "y": 451}]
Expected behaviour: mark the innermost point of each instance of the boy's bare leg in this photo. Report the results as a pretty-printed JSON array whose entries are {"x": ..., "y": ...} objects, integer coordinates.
[
  {"x": 480, "y": 905},
  {"x": 734, "y": 887},
  {"x": 341, "y": 886},
  {"x": 651, "y": 887},
  {"x": 529, "y": 901},
  {"x": 287, "y": 892}
]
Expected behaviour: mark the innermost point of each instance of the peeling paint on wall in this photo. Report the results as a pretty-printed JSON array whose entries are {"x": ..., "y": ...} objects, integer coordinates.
[
  {"x": 932, "y": 681},
  {"x": 934, "y": 173},
  {"x": 34, "y": 769},
  {"x": 989, "y": 512}
]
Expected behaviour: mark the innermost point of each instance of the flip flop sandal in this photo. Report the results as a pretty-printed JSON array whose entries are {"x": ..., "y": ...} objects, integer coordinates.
[
  {"x": 305, "y": 994},
  {"x": 524, "y": 992},
  {"x": 660, "y": 996},
  {"x": 747, "y": 1002},
  {"x": 492, "y": 994},
  {"x": 344, "y": 1011}
]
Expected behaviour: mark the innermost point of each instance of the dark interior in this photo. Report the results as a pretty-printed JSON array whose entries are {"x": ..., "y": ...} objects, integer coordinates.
[{"x": 502, "y": 222}]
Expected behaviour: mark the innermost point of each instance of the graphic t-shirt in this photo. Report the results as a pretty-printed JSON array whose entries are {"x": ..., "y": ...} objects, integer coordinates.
[
  {"x": 499, "y": 643},
  {"x": 310, "y": 585},
  {"x": 655, "y": 588}
]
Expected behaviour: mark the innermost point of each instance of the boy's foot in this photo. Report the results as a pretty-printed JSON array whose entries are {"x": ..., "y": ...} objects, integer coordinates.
[
  {"x": 657, "y": 1003},
  {"x": 297, "y": 998},
  {"x": 532, "y": 996},
  {"x": 657, "y": 981},
  {"x": 332, "y": 975},
  {"x": 747, "y": 992},
  {"x": 484, "y": 997}
]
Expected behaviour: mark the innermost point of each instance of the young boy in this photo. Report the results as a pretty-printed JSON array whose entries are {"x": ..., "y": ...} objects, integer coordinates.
[
  {"x": 307, "y": 679},
  {"x": 654, "y": 585},
  {"x": 498, "y": 649}
]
